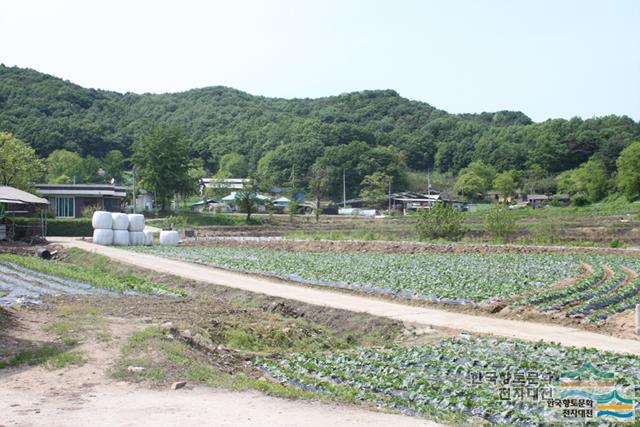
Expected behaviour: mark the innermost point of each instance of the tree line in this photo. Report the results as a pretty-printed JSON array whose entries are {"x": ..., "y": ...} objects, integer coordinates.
[{"x": 229, "y": 133}]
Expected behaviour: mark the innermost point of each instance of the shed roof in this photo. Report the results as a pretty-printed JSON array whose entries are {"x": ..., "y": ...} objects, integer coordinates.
[{"x": 15, "y": 196}]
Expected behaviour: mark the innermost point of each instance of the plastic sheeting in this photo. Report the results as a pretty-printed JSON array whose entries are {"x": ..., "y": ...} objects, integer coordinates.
[
  {"x": 121, "y": 237},
  {"x": 102, "y": 220},
  {"x": 120, "y": 221},
  {"x": 136, "y": 238},
  {"x": 102, "y": 236},
  {"x": 148, "y": 237},
  {"x": 169, "y": 238},
  {"x": 136, "y": 222}
]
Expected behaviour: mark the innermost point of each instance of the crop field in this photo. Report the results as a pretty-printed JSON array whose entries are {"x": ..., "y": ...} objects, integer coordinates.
[
  {"x": 25, "y": 280},
  {"x": 475, "y": 380},
  {"x": 612, "y": 287},
  {"x": 448, "y": 278},
  {"x": 604, "y": 284}
]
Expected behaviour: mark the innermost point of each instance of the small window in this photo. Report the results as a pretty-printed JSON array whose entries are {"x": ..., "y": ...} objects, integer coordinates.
[{"x": 65, "y": 207}]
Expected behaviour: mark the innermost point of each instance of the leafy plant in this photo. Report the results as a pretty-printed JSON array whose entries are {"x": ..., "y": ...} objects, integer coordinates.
[
  {"x": 440, "y": 222},
  {"x": 501, "y": 223}
]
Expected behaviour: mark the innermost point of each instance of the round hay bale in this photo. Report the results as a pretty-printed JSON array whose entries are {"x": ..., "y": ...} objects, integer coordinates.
[
  {"x": 148, "y": 238},
  {"x": 136, "y": 238},
  {"x": 102, "y": 236},
  {"x": 120, "y": 221},
  {"x": 136, "y": 222},
  {"x": 101, "y": 220},
  {"x": 169, "y": 238},
  {"x": 121, "y": 237}
]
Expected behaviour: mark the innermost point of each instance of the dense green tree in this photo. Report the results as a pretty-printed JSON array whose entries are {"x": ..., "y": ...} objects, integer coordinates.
[
  {"x": 505, "y": 184},
  {"x": 233, "y": 165},
  {"x": 62, "y": 166},
  {"x": 486, "y": 172},
  {"x": 470, "y": 185},
  {"x": 20, "y": 167},
  {"x": 319, "y": 184},
  {"x": 286, "y": 137},
  {"x": 589, "y": 182},
  {"x": 113, "y": 165},
  {"x": 374, "y": 187},
  {"x": 439, "y": 222},
  {"x": 163, "y": 159},
  {"x": 628, "y": 177}
]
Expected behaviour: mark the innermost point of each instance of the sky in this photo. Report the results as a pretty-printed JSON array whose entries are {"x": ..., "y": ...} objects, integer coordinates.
[{"x": 546, "y": 58}]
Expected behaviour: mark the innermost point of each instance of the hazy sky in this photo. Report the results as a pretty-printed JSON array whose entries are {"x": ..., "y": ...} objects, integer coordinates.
[{"x": 555, "y": 58}]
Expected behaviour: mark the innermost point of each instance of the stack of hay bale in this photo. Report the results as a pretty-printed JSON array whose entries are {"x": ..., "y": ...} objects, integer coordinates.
[
  {"x": 120, "y": 229},
  {"x": 102, "y": 232}
]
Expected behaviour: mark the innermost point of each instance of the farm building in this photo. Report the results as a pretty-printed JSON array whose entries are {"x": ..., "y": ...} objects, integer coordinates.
[
  {"x": 17, "y": 203},
  {"x": 408, "y": 201},
  {"x": 537, "y": 201},
  {"x": 70, "y": 200},
  {"x": 228, "y": 184}
]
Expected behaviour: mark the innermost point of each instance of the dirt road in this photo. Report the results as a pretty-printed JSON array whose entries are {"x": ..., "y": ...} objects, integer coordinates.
[
  {"x": 87, "y": 395},
  {"x": 421, "y": 315}
]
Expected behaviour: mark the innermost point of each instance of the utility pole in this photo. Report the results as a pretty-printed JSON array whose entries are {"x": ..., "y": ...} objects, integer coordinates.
[
  {"x": 390, "y": 196},
  {"x": 428, "y": 183},
  {"x": 344, "y": 190},
  {"x": 134, "y": 188}
]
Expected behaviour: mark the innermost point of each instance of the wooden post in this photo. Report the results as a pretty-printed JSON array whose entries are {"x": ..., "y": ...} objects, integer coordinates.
[{"x": 637, "y": 319}]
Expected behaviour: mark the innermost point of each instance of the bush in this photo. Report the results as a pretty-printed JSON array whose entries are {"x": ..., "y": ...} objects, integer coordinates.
[
  {"x": 501, "y": 223},
  {"x": 440, "y": 222},
  {"x": 71, "y": 227}
]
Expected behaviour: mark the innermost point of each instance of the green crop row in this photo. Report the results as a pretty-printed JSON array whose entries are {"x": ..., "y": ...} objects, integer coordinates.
[
  {"x": 97, "y": 278},
  {"x": 437, "y": 277},
  {"x": 452, "y": 380}
]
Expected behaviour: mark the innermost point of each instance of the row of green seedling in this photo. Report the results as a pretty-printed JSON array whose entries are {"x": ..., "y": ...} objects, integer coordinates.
[{"x": 593, "y": 300}]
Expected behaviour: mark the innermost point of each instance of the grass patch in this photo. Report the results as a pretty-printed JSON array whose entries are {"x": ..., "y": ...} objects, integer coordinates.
[
  {"x": 49, "y": 356},
  {"x": 94, "y": 273},
  {"x": 165, "y": 360}
]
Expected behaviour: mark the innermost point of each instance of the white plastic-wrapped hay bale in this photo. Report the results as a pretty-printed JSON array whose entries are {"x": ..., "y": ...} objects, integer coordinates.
[
  {"x": 102, "y": 236},
  {"x": 136, "y": 222},
  {"x": 136, "y": 238},
  {"x": 169, "y": 238},
  {"x": 148, "y": 238},
  {"x": 101, "y": 220},
  {"x": 121, "y": 237},
  {"x": 120, "y": 221}
]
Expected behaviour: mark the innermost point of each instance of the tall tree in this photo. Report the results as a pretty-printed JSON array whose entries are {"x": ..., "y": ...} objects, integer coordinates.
[
  {"x": 113, "y": 165},
  {"x": 505, "y": 184},
  {"x": 628, "y": 177},
  {"x": 320, "y": 183},
  {"x": 375, "y": 186},
  {"x": 162, "y": 159},
  {"x": 63, "y": 166},
  {"x": 233, "y": 165},
  {"x": 19, "y": 165}
]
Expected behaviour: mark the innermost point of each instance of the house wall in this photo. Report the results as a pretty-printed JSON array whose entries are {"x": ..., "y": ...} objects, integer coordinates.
[{"x": 84, "y": 202}]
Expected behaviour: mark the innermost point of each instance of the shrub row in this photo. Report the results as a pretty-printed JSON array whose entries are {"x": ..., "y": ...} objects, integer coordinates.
[{"x": 72, "y": 227}]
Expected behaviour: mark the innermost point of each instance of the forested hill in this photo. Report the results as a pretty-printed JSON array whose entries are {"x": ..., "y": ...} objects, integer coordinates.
[{"x": 50, "y": 113}]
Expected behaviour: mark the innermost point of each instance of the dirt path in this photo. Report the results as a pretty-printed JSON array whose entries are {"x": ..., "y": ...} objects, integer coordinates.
[
  {"x": 420, "y": 315},
  {"x": 86, "y": 395}
]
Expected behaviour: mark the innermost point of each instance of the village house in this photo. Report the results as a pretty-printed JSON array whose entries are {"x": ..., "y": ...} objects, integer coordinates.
[{"x": 70, "y": 200}]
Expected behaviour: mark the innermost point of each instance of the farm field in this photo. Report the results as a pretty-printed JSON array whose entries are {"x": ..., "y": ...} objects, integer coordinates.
[
  {"x": 462, "y": 379},
  {"x": 603, "y": 284},
  {"x": 227, "y": 338},
  {"x": 448, "y": 278},
  {"x": 26, "y": 280}
]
